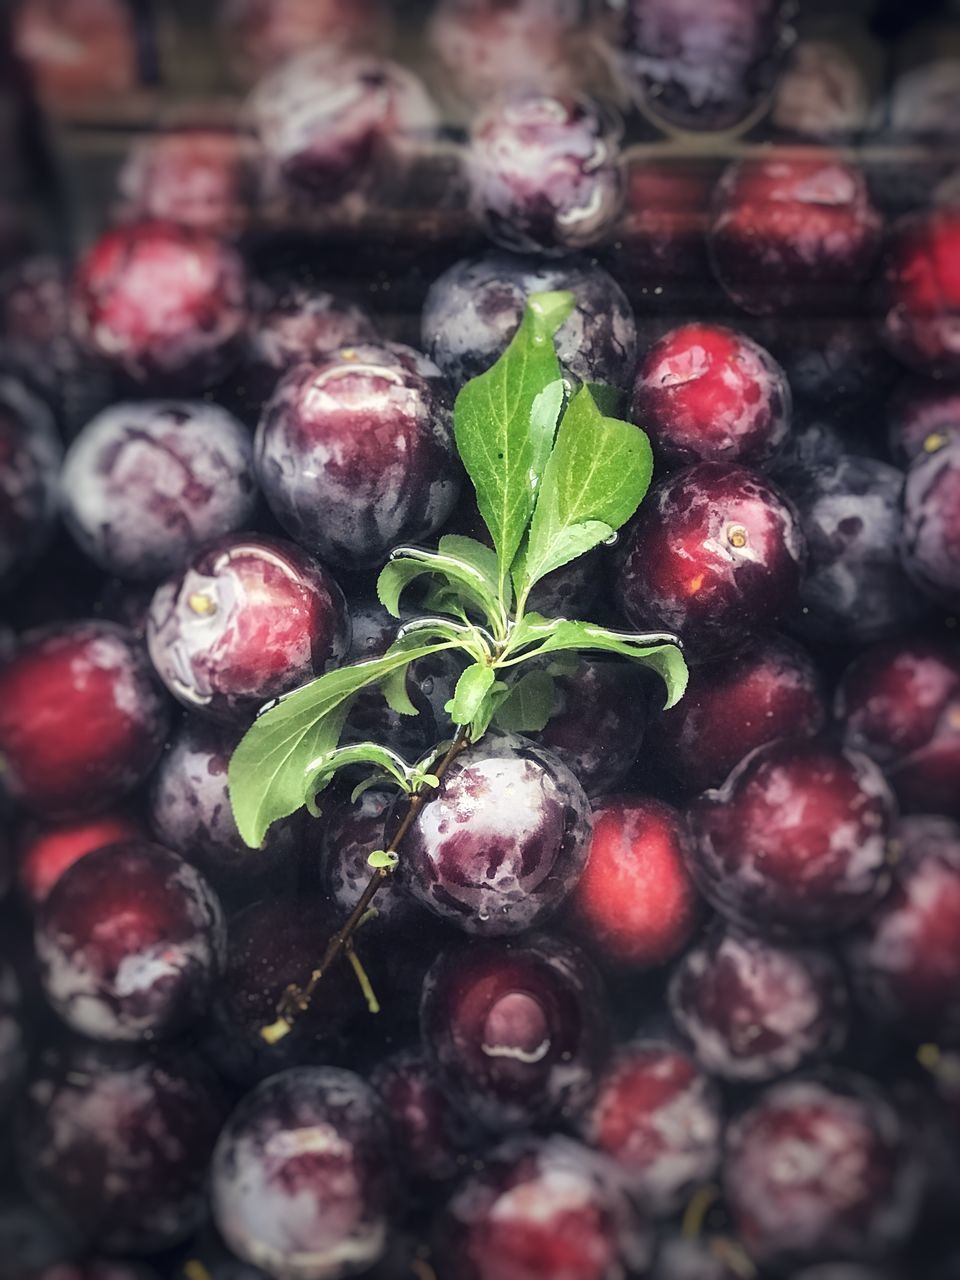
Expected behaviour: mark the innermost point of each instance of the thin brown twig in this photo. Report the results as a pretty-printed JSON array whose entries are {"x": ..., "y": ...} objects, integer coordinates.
[{"x": 296, "y": 999}]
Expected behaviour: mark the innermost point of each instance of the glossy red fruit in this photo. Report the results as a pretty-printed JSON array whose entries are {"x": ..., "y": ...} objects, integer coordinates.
[
  {"x": 491, "y": 868},
  {"x": 753, "y": 1010},
  {"x": 197, "y": 177},
  {"x": 355, "y": 453},
  {"x": 922, "y": 416},
  {"x": 793, "y": 233},
  {"x": 769, "y": 689},
  {"x": 516, "y": 1032},
  {"x": 45, "y": 852},
  {"x": 81, "y": 720},
  {"x": 795, "y": 841},
  {"x": 164, "y": 305},
  {"x": 130, "y": 942},
  {"x": 819, "y": 1169},
  {"x": 302, "y": 1180},
  {"x": 899, "y": 703},
  {"x": 636, "y": 905},
  {"x": 542, "y": 1207},
  {"x": 658, "y": 1117},
  {"x": 921, "y": 276},
  {"x": 715, "y": 552},
  {"x": 544, "y": 172},
  {"x": 930, "y": 539},
  {"x": 706, "y": 393},
  {"x": 116, "y": 1144},
  {"x": 247, "y": 619},
  {"x": 904, "y": 959}
]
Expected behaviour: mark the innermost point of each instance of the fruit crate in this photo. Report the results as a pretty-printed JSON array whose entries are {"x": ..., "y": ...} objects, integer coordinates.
[{"x": 667, "y": 992}]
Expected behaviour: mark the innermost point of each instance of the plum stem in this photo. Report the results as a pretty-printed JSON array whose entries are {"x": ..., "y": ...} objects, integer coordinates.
[{"x": 297, "y": 999}]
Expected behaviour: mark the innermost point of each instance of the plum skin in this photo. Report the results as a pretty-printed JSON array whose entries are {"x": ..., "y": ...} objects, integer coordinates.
[
  {"x": 81, "y": 720},
  {"x": 355, "y": 453},
  {"x": 301, "y": 1175},
  {"x": 146, "y": 484},
  {"x": 129, "y": 942},
  {"x": 492, "y": 870}
]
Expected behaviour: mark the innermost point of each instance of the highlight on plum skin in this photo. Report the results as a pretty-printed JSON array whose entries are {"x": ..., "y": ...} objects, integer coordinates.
[
  {"x": 921, "y": 325},
  {"x": 45, "y": 851},
  {"x": 636, "y": 905},
  {"x": 246, "y": 619}
]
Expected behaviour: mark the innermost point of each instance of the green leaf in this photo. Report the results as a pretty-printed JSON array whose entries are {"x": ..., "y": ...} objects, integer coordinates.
[
  {"x": 477, "y": 555},
  {"x": 659, "y": 651},
  {"x": 504, "y": 421},
  {"x": 470, "y": 691},
  {"x": 394, "y": 690},
  {"x": 267, "y": 768},
  {"x": 529, "y": 705},
  {"x": 465, "y": 577},
  {"x": 595, "y": 479},
  {"x": 321, "y": 771},
  {"x": 381, "y": 859},
  {"x": 609, "y": 400},
  {"x": 487, "y": 709}
]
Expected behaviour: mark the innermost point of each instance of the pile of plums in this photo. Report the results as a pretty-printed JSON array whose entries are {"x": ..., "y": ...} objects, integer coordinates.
[{"x": 663, "y": 995}]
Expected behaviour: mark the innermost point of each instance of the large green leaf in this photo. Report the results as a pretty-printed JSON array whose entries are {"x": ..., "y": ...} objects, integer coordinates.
[
  {"x": 461, "y": 564},
  {"x": 266, "y": 774},
  {"x": 596, "y": 477},
  {"x": 529, "y": 704},
  {"x": 659, "y": 651},
  {"x": 504, "y": 421},
  {"x": 473, "y": 685}
]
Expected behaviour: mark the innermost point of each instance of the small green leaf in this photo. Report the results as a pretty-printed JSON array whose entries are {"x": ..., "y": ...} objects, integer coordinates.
[
  {"x": 504, "y": 422},
  {"x": 267, "y": 768},
  {"x": 477, "y": 555},
  {"x": 378, "y": 780},
  {"x": 529, "y": 705},
  {"x": 464, "y": 578},
  {"x": 321, "y": 771},
  {"x": 394, "y": 689},
  {"x": 469, "y": 693},
  {"x": 609, "y": 400},
  {"x": 596, "y": 477},
  {"x": 487, "y": 709},
  {"x": 382, "y": 860},
  {"x": 659, "y": 651}
]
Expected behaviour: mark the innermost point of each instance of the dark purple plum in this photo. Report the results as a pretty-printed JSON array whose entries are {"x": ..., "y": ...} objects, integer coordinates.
[
  {"x": 355, "y": 453},
  {"x": 81, "y": 720},
  {"x": 706, "y": 393},
  {"x": 296, "y": 321},
  {"x": 95, "y": 1269},
  {"x": 702, "y": 69},
  {"x": 189, "y": 809},
  {"x": 930, "y": 540},
  {"x": 29, "y": 1238},
  {"x": 922, "y": 416},
  {"x": 29, "y": 461},
  {"x": 835, "y": 365},
  {"x": 247, "y": 619},
  {"x": 754, "y": 1010},
  {"x": 116, "y": 1144},
  {"x": 146, "y": 484},
  {"x": 657, "y": 1116},
  {"x": 209, "y": 1253},
  {"x": 635, "y": 905},
  {"x": 491, "y": 865},
  {"x": 516, "y": 1031},
  {"x": 196, "y": 176},
  {"x": 130, "y": 942},
  {"x": 899, "y": 703},
  {"x": 818, "y": 1169},
  {"x": 855, "y": 590},
  {"x": 36, "y": 333},
  {"x": 46, "y": 850},
  {"x": 541, "y": 1207},
  {"x": 795, "y": 841},
  {"x": 330, "y": 124},
  {"x": 429, "y": 1136},
  {"x": 272, "y": 944},
  {"x": 715, "y": 552},
  {"x": 544, "y": 172},
  {"x": 768, "y": 689},
  {"x": 13, "y": 1038},
  {"x": 351, "y": 832},
  {"x": 599, "y": 720},
  {"x": 473, "y": 310},
  {"x": 163, "y": 305},
  {"x": 921, "y": 324},
  {"x": 263, "y": 34},
  {"x": 302, "y": 1179},
  {"x": 793, "y": 233},
  {"x": 904, "y": 959},
  {"x": 489, "y": 47}
]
